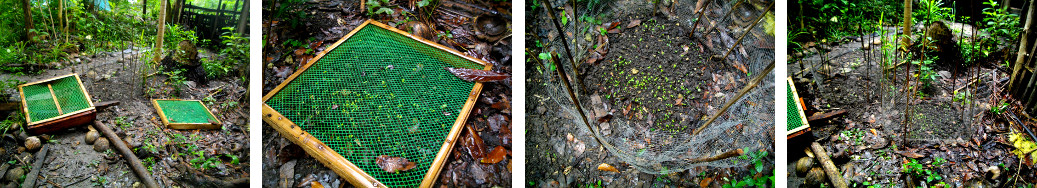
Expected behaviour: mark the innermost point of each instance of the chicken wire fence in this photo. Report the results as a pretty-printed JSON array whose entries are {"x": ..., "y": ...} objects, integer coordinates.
[{"x": 747, "y": 124}]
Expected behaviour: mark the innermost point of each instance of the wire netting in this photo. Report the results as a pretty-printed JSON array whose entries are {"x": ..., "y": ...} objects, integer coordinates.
[
  {"x": 40, "y": 102},
  {"x": 748, "y": 124},
  {"x": 180, "y": 111},
  {"x": 379, "y": 93},
  {"x": 883, "y": 84}
]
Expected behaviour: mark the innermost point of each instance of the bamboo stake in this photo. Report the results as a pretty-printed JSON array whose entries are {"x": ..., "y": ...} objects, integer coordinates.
[
  {"x": 748, "y": 30},
  {"x": 755, "y": 82},
  {"x": 565, "y": 43},
  {"x": 1024, "y": 42},
  {"x": 702, "y": 11}
]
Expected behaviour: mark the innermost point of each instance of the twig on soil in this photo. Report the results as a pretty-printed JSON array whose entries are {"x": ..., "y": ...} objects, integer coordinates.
[
  {"x": 77, "y": 181},
  {"x": 728, "y": 154},
  {"x": 50, "y": 182},
  {"x": 755, "y": 82}
]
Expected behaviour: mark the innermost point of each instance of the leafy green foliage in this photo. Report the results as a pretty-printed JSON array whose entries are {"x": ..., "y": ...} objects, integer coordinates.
[
  {"x": 234, "y": 55},
  {"x": 999, "y": 22},
  {"x": 759, "y": 160},
  {"x": 1000, "y": 108},
  {"x": 926, "y": 73},
  {"x": 931, "y": 11},
  {"x": 927, "y": 173},
  {"x": 290, "y": 12},
  {"x": 174, "y": 34},
  {"x": 375, "y": 7}
]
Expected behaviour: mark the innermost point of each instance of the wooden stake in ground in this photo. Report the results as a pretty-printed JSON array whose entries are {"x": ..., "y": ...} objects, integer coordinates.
[
  {"x": 134, "y": 162},
  {"x": 830, "y": 170}
]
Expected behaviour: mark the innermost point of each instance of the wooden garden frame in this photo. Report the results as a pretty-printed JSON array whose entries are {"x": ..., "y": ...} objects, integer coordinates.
[
  {"x": 63, "y": 121},
  {"x": 165, "y": 120},
  {"x": 344, "y": 168},
  {"x": 799, "y": 108}
]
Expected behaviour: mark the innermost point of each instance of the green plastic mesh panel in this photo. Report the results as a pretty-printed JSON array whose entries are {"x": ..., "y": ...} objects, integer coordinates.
[
  {"x": 41, "y": 104},
  {"x": 70, "y": 94},
  {"x": 177, "y": 111},
  {"x": 794, "y": 120},
  {"x": 379, "y": 93}
]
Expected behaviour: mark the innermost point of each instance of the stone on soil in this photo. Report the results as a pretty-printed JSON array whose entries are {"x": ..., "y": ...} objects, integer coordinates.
[{"x": 101, "y": 145}]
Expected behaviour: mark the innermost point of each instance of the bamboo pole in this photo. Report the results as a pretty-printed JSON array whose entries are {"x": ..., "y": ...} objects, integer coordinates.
[
  {"x": 1024, "y": 42},
  {"x": 565, "y": 44},
  {"x": 702, "y": 11},
  {"x": 754, "y": 82},
  {"x": 830, "y": 170},
  {"x": 161, "y": 32},
  {"x": 134, "y": 162}
]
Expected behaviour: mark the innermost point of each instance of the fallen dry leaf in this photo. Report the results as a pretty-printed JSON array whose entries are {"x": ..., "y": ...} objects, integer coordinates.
[
  {"x": 495, "y": 156},
  {"x": 680, "y": 98},
  {"x": 393, "y": 164},
  {"x": 633, "y": 23},
  {"x": 705, "y": 182},
  {"x": 605, "y": 118},
  {"x": 473, "y": 75},
  {"x": 607, "y": 167},
  {"x": 911, "y": 153},
  {"x": 473, "y": 143}
]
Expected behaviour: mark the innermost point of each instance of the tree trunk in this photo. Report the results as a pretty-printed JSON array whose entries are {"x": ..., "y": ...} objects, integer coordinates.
[
  {"x": 243, "y": 20},
  {"x": 28, "y": 20},
  {"x": 161, "y": 31},
  {"x": 144, "y": 9},
  {"x": 907, "y": 23},
  {"x": 1024, "y": 42}
]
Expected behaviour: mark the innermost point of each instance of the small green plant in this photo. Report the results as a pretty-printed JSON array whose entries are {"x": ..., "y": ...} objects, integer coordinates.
[
  {"x": 375, "y": 7},
  {"x": 926, "y": 73},
  {"x": 758, "y": 160},
  {"x": 176, "y": 79},
  {"x": 918, "y": 170},
  {"x": 1000, "y": 108}
]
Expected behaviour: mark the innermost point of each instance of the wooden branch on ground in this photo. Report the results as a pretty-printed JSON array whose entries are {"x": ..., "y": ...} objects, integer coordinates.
[
  {"x": 134, "y": 162},
  {"x": 826, "y": 115},
  {"x": 30, "y": 179},
  {"x": 725, "y": 155},
  {"x": 833, "y": 173}
]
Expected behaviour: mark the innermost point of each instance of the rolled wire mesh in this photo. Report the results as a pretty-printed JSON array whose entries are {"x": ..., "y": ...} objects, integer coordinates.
[
  {"x": 379, "y": 93},
  {"x": 748, "y": 124}
]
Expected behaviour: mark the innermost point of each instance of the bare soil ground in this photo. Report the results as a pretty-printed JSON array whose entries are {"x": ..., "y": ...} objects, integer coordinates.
[
  {"x": 111, "y": 76},
  {"x": 955, "y": 136}
]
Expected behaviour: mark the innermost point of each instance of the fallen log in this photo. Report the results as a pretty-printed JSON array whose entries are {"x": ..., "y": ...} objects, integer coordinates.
[
  {"x": 830, "y": 170},
  {"x": 30, "y": 179},
  {"x": 134, "y": 162}
]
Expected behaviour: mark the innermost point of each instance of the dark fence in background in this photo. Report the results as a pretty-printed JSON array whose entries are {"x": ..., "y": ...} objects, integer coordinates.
[{"x": 208, "y": 23}]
